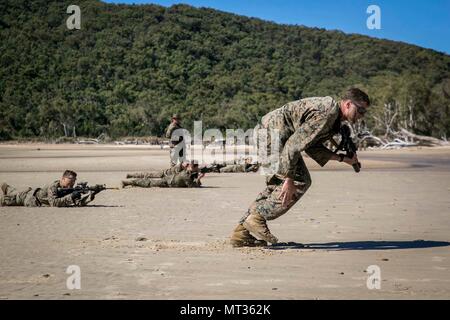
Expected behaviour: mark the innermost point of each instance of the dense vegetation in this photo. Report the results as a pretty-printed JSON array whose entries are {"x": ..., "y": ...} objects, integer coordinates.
[{"x": 130, "y": 67}]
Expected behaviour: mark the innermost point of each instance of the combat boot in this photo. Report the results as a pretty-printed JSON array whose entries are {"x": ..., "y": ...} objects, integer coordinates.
[
  {"x": 126, "y": 183},
  {"x": 242, "y": 238},
  {"x": 135, "y": 175},
  {"x": 4, "y": 188},
  {"x": 256, "y": 224}
]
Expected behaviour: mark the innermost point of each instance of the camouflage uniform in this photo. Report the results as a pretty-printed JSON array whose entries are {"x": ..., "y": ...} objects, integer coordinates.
[
  {"x": 182, "y": 179},
  {"x": 303, "y": 125},
  {"x": 233, "y": 168},
  {"x": 158, "y": 173},
  {"x": 212, "y": 168},
  {"x": 45, "y": 196},
  {"x": 236, "y": 168},
  {"x": 180, "y": 157},
  {"x": 252, "y": 167}
]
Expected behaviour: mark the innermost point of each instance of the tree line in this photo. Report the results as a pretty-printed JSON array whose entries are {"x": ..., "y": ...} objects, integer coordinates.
[{"x": 130, "y": 67}]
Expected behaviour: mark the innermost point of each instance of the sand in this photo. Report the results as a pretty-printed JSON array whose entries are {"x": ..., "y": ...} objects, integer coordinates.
[{"x": 172, "y": 243}]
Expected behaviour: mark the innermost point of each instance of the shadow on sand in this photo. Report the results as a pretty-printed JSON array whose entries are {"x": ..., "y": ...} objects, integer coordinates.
[
  {"x": 100, "y": 206},
  {"x": 361, "y": 245}
]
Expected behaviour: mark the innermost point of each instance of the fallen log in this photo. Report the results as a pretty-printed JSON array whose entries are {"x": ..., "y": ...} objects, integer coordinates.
[
  {"x": 422, "y": 140},
  {"x": 397, "y": 143}
]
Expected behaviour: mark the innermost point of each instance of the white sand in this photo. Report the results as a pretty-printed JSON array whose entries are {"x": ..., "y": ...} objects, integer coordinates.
[{"x": 350, "y": 220}]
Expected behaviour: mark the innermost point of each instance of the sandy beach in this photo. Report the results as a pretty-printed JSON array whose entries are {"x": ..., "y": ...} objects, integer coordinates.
[{"x": 172, "y": 243}]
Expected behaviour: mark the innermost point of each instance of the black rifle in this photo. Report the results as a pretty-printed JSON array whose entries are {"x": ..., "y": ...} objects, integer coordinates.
[
  {"x": 212, "y": 168},
  {"x": 254, "y": 167},
  {"x": 83, "y": 188},
  {"x": 348, "y": 146}
]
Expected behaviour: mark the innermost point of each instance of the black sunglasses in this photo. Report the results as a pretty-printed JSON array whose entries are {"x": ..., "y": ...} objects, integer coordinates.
[{"x": 361, "y": 110}]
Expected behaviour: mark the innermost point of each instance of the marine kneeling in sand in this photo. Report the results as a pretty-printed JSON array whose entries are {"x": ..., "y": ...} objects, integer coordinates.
[
  {"x": 56, "y": 194},
  {"x": 184, "y": 175}
]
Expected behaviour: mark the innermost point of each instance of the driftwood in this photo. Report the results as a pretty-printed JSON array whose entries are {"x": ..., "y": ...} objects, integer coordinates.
[
  {"x": 422, "y": 140},
  {"x": 142, "y": 141},
  {"x": 401, "y": 139},
  {"x": 397, "y": 143},
  {"x": 88, "y": 141}
]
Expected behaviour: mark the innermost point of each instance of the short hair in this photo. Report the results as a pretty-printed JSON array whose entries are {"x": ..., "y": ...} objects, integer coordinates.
[
  {"x": 356, "y": 95},
  {"x": 194, "y": 163},
  {"x": 69, "y": 173}
]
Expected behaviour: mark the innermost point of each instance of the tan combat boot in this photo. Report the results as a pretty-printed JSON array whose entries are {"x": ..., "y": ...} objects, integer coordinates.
[
  {"x": 242, "y": 238},
  {"x": 256, "y": 224},
  {"x": 4, "y": 188},
  {"x": 126, "y": 183},
  {"x": 135, "y": 175}
]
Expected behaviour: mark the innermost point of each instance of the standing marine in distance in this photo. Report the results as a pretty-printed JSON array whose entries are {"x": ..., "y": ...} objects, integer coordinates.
[{"x": 177, "y": 143}]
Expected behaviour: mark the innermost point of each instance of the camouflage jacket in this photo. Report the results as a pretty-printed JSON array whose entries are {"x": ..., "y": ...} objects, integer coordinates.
[
  {"x": 304, "y": 125},
  {"x": 48, "y": 196},
  {"x": 170, "y": 130},
  {"x": 173, "y": 170},
  {"x": 240, "y": 168},
  {"x": 183, "y": 179},
  {"x": 234, "y": 168}
]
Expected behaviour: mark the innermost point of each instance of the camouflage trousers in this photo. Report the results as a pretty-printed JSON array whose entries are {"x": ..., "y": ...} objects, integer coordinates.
[
  {"x": 268, "y": 203},
  {"x": 177, "y": 154},
  {"x": 11, "y": 197},
  {"x": 146, "y": 175},
  {"x": 150, "y": 183},
  {"x": 233, "y": 169}
]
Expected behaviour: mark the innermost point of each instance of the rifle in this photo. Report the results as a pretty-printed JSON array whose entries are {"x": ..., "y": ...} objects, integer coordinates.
[
  {"x": 212, "y": 168},
  {"x": 348, "y": 146},
  {"x": 252, "y": 167},
  {"x": 83, "y": 188}
]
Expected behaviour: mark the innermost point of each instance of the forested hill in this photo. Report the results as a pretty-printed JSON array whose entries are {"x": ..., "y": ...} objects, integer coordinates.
[{"x": 130, "y": 67}]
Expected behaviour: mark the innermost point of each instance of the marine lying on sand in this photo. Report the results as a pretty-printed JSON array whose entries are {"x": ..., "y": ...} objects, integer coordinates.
[
  {"x": 60, "y": 193},
  {"x": 240, "y": 166},
  {"x": 183, "y": 175},
  {"x": 245, "y": 167}
]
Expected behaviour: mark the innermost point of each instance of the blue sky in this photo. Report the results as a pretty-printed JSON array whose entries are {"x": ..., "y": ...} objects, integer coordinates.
[{"x": 420, "y": 22}]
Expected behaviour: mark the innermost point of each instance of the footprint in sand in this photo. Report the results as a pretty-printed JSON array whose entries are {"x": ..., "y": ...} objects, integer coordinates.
[{"x": 438, "y": 259}]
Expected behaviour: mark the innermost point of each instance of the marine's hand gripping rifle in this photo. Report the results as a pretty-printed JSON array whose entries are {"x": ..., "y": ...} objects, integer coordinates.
[
  {"x": 348, "y": 146},
  {"x": 215, "y": 167},
  {"x": 83, "y": 188}
]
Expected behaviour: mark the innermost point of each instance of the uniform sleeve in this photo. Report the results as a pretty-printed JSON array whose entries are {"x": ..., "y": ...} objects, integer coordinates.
[
  {"x": 169, "y": 131},
  {"x": 55, "y": 201},
  {"x": 320, "y": 154},
  {"x": 192, "y": 182},
  {"x": 316, "y": 126},
  {"x": 178, "y": 137},
  {"x": 174, "y": 170}
]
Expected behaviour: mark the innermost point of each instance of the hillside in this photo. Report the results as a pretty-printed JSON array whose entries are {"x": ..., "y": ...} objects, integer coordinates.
[{"x": 130, "y": 67}]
